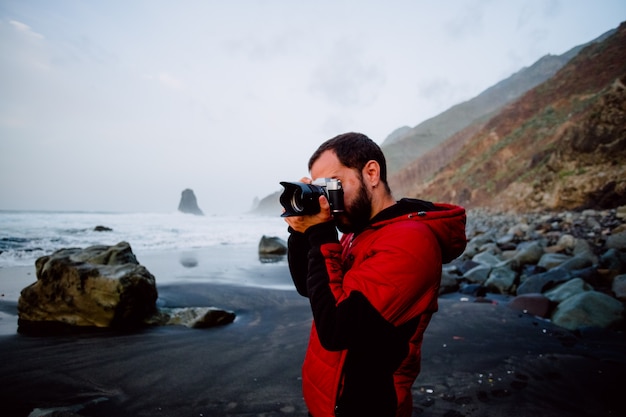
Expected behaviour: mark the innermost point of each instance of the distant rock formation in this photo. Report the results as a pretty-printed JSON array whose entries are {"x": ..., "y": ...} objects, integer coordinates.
[
  {"x": 269, "y": 206},
  {"x": 189, "y": 204},
  {"x": 99, "y": 286}
]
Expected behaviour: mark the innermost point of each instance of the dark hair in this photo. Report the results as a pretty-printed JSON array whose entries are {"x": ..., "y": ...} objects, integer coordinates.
[{"x": 354, "y": 150}]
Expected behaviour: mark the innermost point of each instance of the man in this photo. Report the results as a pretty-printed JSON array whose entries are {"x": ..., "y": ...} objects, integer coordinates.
[{"x": 372, "y": 293}]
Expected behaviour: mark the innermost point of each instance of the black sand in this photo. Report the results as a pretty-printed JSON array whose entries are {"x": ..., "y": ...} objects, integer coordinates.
[{"x": 478, "y": 360}]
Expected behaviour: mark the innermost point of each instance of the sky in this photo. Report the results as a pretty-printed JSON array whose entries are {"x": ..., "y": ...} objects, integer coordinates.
[{"x": 121, "y": 105}]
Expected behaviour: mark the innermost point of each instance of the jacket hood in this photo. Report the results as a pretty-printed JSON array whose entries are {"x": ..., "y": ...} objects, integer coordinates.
[{"x": 446, "y": 221}]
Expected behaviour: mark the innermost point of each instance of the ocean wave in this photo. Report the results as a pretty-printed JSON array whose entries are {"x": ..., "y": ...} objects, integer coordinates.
[{"x": 26, "y": 236}]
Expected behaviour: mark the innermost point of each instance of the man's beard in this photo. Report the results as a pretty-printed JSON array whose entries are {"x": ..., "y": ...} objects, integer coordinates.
[{"x": 357, "y": 216}]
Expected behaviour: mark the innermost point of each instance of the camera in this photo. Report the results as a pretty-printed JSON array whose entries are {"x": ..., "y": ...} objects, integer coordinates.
[{"x": 301, "y": 199}]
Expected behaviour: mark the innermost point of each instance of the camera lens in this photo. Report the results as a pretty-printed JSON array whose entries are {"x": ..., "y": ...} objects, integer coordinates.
[
  {"x": 300, "y": 199},
  {"x": 296, "y": 202}
]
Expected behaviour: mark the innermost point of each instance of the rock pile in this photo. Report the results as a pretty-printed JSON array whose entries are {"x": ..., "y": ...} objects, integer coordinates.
[{"x": 569, "y": 267}]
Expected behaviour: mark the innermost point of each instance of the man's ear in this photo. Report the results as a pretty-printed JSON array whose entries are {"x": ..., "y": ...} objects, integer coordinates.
[{"x": 371, "y": 173}]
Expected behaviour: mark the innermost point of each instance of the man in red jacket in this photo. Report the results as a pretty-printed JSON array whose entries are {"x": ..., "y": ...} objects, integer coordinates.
[{"x": 373, "y": 291}]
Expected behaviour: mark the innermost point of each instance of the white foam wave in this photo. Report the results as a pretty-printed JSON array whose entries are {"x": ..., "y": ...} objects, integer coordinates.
[{"x": 25, "y": 236}]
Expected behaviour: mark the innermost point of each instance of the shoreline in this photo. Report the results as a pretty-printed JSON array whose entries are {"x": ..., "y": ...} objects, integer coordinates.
[
  {"x": 227, "y": 265},
  {"x": 478, "y": 358}
]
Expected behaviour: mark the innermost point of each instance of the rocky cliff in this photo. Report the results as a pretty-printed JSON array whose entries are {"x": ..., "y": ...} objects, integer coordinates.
[
  {"x": 403, "y": 145},
  {"x": 562, "y": 145}
]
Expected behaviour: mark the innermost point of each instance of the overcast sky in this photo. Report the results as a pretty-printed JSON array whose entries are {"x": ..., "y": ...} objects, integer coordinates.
[{"x": 120, "y": 105}]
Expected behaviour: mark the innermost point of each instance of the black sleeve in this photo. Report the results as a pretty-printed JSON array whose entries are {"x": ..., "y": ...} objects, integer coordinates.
[
  {"x": 298, "y": 251},
  {"x": 297, "y": 257}
]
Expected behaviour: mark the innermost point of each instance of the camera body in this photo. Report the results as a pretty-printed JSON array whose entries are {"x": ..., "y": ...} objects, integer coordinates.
[{"x": 301, "y": 199}]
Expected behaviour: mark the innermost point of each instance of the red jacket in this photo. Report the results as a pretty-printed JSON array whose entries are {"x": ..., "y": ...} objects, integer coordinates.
[{"x": 372, "y": 296}]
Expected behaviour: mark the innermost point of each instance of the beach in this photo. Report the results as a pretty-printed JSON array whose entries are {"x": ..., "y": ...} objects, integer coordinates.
[{"x": 479, "y": 358}]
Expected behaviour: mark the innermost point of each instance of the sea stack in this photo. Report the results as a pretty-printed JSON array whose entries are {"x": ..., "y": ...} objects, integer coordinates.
[{"x": 189, "y": 204}]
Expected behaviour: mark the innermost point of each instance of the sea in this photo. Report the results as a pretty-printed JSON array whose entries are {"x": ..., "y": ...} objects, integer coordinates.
[{"x": 28, "y": 235}]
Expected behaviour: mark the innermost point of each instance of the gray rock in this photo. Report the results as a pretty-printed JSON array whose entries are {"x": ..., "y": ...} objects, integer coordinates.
[
  {"x": 614, "y": 261},
  {"x": 99, "y": 286},
  {"x": 552, "y": 260},
  {"x": 619, "y": 287},
  {"x": 506, "y": 239},
  {"x": 478, "y": 274},
  {"x": 192, "y": 317},
  {"x": 486, "y": 258},
  {"x": 528, "y": 254},
  {"x": 617, "y": 241},
  {"x": 582, "y": 248},
  {"x": 272, "y": 245},
  {"x": 518, "y": 231},
  {"x": 460, "y": 266},
  {"x": 542, "y": 282},
  {"x": 475, "y": 244},
  {"x": 576, "y": 262},
  {"x": 568, "y": 289},
  {"x": 588, "y": 309},
  {"x": 566, "y": 242},
  {"x": 501, "y": 279},
  {"x": 589, "y": 213},
  {"x": 593, "y": 224},
  {"x": 491, "y": 247},
  {"x": 449, "y": 283}
]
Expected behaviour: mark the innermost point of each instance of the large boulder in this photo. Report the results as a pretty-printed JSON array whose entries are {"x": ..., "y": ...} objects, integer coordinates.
[
  {"x": 589, "y": 309},
  {"x": 189, "y": 204},
  {"x": 99, "y": 286}
]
